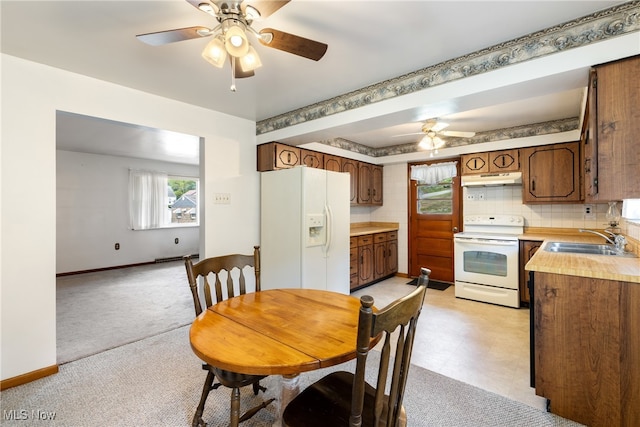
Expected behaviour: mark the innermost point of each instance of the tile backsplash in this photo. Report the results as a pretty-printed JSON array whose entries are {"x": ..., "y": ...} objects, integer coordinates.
[{"x": 508, "y": 200}]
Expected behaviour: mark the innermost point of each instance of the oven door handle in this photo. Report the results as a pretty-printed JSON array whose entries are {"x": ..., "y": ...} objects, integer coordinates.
[{"x": 488, "y": 242}]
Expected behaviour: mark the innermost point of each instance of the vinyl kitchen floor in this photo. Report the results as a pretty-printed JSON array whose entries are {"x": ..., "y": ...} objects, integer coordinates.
[{"x": 481, "y": 344}]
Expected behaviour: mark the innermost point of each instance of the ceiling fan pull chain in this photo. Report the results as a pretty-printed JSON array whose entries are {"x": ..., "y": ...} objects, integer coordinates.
[{"x": 233, "y": 73}]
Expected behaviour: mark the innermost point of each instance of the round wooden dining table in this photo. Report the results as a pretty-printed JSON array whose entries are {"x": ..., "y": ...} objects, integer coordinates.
[{"x": 278, "y": 331}]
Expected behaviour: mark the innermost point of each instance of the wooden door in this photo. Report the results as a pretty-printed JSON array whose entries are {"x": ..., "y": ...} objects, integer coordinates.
[{"x": 434, "y": 216}]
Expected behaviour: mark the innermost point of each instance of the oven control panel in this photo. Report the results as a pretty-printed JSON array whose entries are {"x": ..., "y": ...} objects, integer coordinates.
[{"x": 497, "y": 220}]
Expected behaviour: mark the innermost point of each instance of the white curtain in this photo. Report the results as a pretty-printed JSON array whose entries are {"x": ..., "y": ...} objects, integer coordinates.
[
  {"x": 433, "y": 174},
  {"x": 148, "y": 199}
]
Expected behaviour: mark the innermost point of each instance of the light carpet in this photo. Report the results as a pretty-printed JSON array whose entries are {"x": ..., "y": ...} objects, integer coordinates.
[
  {"x": 106, "y": 309},
  {"x": 157, "y": 382}
]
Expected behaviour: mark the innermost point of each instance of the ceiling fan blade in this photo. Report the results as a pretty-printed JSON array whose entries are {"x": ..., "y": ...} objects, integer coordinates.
[
  {"x": 457, "y": 134},
  {"x": 407, "y": 134},
  {"x": 171, "y": 36},
  {"x": 293, "y": 44},
  {"x": 265, "y": 7},
  {"x": 438, "y": 126}
]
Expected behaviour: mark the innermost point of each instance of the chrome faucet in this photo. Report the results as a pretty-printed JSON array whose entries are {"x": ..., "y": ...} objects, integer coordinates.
[{"x": 617, "y": 240}]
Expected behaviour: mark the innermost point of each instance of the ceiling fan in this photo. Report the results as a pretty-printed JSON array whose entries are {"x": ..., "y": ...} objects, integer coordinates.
[
  {"x": 432, "y": 129},
  {"x": 230, "y": 35}
]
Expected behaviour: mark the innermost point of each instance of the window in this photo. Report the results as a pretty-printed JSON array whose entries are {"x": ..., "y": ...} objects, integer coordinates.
[
  {"x": 158, "y": 200},
  {"x": 435, "y": 198}
]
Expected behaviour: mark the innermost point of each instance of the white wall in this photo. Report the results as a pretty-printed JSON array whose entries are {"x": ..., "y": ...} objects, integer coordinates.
[
  {"x": 31, "y": 94},
  {"x": 92, "y": 200}
]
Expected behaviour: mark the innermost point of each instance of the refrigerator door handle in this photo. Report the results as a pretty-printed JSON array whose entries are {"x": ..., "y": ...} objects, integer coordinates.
[{"x": 329, "y": 215}]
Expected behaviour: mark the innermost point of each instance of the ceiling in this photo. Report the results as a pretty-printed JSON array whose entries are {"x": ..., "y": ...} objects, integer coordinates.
[{"x": 369, "y": 42}]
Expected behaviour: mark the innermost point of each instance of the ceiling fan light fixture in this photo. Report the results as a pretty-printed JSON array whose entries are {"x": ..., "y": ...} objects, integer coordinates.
[
  {"x": 215, "y": 52},
  {"x": 250, "y": 61},
  {"x": 235, "y": 41},
  {"x": 426, "y": 143}
]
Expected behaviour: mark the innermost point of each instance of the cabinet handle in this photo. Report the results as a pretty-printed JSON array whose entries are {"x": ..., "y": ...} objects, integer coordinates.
[
  {"x": 533, "y": 185},
  {"x": 361, "y": 259},
  {"x": 288, "y": 157},
  {"x": 587, "y": 165},
  {"x": 368, "y": 192}
]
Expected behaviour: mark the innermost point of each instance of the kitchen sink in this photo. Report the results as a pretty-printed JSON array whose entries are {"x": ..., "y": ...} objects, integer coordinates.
[{"x": 585, "y": 248}]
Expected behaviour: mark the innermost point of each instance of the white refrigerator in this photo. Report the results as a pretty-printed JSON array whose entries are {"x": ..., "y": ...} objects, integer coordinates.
[{"x": 304, "y": 229}]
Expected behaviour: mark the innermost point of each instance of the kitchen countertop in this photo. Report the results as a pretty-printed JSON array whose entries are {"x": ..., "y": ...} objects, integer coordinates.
[
  {"x": 584, "y": 265},
  {"x": 364, "y": 228}
]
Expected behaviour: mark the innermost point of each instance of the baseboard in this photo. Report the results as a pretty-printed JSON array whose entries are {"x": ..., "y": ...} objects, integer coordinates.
[{"x": 28, "y": 377}]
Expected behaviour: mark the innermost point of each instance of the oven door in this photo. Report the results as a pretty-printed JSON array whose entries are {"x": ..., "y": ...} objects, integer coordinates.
[{"x": 491, "y": 262}]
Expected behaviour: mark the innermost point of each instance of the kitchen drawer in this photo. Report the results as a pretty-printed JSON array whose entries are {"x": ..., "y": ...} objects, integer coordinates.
[
  {"x": 353, "y": 282},
  {"x": 379, "y": 237},
  {"x": 365, "y": 240},
  {"x": 353, "y": 260},
  {"x": 353, "y": 242},
  {"x": 392, "y": 235}
]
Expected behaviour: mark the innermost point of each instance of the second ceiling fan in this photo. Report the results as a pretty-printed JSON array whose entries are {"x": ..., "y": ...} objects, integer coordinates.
[
  {"x": 230, "y": 35},
  {"x": 432, "y": 129}
]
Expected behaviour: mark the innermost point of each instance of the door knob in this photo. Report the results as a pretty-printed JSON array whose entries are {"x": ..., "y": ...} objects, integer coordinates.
[{"x": 455, "y": 229}]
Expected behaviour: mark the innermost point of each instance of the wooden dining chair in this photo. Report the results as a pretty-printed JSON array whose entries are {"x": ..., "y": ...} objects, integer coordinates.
[
  {"x": 203, "y": 271},
  {"x": 346, "y": 399}
]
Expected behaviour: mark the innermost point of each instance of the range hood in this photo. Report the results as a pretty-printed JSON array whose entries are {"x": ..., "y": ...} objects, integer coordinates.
[{"x": 491, "y": 179}]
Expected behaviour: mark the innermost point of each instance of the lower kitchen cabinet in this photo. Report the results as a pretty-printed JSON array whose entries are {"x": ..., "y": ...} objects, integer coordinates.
[
  {"x": 353, "y": 263},
  {"x": 587, "y": 348},
  {"x": 527, "y": 249},
  {"x": 365, "y": 259},
  {"x": 375, "y": 257}
]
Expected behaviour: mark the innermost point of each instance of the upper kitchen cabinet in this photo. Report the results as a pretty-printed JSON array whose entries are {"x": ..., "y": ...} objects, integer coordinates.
[
  {"x": 313, "y": 159},
  {"x": 351, "y": 167},
  {"x": 612, "y": 151},
  {"x": 332, "y": 163},
  {"x": 365, "y": 178},
  {"x": 369, "y": 184},
  {"x": 551, "y": 173},
  {"x": 274, "y": 156},
  {"x": 491, "y": 162}
]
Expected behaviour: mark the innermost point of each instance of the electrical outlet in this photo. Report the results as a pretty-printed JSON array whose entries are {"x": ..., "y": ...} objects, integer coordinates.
[
  {"x": 471, "y": 196},
  {"x": 481, "y": 196},
  {"x": 589, "y": 212}
]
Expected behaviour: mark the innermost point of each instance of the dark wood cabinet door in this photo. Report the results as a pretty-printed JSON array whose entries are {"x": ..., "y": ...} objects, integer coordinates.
[
  {"x": 527, "y": 249},
  {"x": 286, "y": 156},
  {"x": 351, "y": 167},
  {"x": 376, "y": 185},
  {"x": 551, "y": 173},
  {"x": 380, "y": 260},
  {"x": 313, "y": 159},
  {"x": 504, "y": 161},
  {"x": 474, "y": 163},
  {"x": 333, "y": 163},
  {"x": 364, "y": 184},
  {"x": 617, "y": 126},
  {"x": 365, "y": 266},
  {"x": 392, "y": 256}
]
